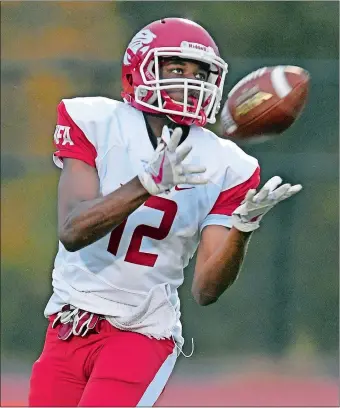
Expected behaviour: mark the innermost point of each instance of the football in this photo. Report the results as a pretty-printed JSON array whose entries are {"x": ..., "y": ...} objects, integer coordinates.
[{"x": 265, "y": 103}]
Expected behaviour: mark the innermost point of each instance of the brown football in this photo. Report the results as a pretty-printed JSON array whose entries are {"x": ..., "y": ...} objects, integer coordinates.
[{"x": 265, "y": 103}]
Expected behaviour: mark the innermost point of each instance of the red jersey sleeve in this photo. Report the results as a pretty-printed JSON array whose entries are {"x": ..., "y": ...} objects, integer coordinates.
[
  {"x": 71, "y": 141},
  {"x": 230, "y": 199}
]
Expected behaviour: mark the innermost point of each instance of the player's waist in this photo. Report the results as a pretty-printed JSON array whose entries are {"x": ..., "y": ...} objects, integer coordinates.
[
  {"x": 71, "y": 321},
  {"x": 159, "y": 307},
  {"x": 156, "y": 316}
]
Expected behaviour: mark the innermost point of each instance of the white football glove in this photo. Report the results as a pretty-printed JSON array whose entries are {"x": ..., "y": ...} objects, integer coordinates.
[
  {"x": 165, "y": 169},
  {"x": 247, "y": 216}
]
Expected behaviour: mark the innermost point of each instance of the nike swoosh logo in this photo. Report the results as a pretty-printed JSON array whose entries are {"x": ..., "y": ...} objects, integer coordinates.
[
  {"x": 158, "y": 179},
  {"x": 183, "y": 188}
]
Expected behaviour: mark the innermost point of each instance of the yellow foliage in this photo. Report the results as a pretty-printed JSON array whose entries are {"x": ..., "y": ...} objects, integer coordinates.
[
  {"x": 29, "y": 222},
  {"x": 80, "y": 30},
  {"x": 43, "y": 92}
]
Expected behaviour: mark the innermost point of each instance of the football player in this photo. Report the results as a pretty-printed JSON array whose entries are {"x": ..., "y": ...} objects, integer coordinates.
[{"x": 143, "y": 186}]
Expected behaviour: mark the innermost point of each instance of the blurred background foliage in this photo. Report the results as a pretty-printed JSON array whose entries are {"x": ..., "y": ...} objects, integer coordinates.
[{"x": 286, "y": 299}]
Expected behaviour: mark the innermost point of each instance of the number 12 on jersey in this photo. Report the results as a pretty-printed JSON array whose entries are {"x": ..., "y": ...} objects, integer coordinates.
[{"x": 133, "y": 254}]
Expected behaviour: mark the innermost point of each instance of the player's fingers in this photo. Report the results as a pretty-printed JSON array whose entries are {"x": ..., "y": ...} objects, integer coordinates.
[
  {"x": 182, "y": 152},
  {"x": 292, "y": 191},
  {"x": 267, "y": 189},
  {"x": 193, "y": 179},
  {"x": 174, "y": 139},
  {"x": 295, "y": 189},
  {"x": 250, "y": 195},
  {"x": 161, "y": 146},
  {"x": 261, "y": 195},
  {"x": 192, "y": 168},
  {"x": 165, "y": 136},
  {"x": 272, "y": 183},
  {"x": 279, "y": 192}
]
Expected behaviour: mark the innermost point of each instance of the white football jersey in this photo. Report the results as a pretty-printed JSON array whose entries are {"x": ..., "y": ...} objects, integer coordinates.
[{"x": 132, "y": 274}]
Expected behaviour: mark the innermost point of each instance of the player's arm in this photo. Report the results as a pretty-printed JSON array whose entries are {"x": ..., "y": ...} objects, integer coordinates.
[
  {"x": 221, "y": 251},
  {"x": 219, "y": 259},
  {"x": 84, "y": 216}
]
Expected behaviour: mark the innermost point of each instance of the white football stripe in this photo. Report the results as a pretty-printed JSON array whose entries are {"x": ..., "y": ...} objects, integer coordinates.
[{"x": 279, "y": 81}]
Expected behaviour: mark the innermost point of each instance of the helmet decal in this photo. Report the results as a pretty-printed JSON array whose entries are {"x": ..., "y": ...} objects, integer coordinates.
[{"x": 138, "y": 43}]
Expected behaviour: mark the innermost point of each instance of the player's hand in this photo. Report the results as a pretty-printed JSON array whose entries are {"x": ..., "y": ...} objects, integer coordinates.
[
  {"x": 166, "y": 168},
  {"x": 247, "y": 216}
]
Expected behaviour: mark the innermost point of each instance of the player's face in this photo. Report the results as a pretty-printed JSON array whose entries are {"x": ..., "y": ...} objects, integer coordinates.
[{"x": 183, "y": 69}]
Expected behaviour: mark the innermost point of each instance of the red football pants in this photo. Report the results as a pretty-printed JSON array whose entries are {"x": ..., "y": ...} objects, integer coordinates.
[{"x": 110, "y": 368}]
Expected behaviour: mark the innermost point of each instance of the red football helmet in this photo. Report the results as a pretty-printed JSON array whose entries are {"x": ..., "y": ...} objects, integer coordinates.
[{"x": 145, "y": 90}]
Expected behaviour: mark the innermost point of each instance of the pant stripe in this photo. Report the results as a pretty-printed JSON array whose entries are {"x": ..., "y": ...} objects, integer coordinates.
[{"x": 156, "y": 386}]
